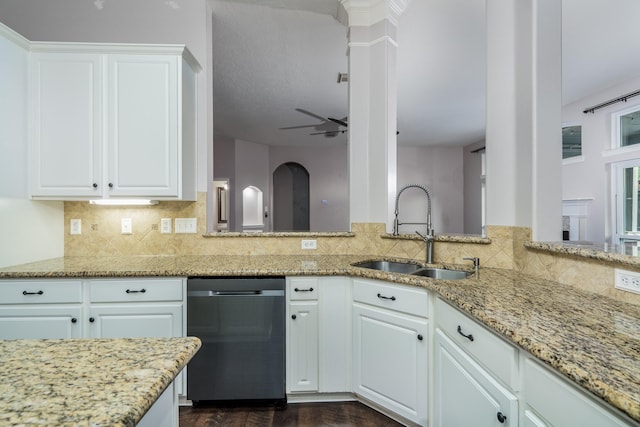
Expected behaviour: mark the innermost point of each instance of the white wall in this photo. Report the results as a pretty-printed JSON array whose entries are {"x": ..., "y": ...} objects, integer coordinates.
[
  {"x": 473, "y": 188},
  {"x": 589, "y": 178},
  {"x": 252, "y": 169},
  {"x": 440, "y": 169},
  {"x": 118, "y": 21},
  {"x": 328, "y": 180},
  {"x": 225, "y": 167},
  {"x": 30, "y": 230}
]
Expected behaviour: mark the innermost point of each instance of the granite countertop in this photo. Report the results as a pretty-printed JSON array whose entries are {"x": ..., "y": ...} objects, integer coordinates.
[
  {"x": 591, "y": 339},
  {"x": 620, "y": 254},
  {"x": 87, "y": 382}
]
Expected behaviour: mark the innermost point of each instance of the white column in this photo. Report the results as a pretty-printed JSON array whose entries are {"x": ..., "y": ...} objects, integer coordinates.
[
  {"x": 524, "y": 162},
  {"x": 372, "y": 109},
  {"x": 547, "y": 121}
]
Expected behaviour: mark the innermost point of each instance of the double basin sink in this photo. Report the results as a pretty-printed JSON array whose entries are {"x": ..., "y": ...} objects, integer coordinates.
[{"x": 414, "y": 269}]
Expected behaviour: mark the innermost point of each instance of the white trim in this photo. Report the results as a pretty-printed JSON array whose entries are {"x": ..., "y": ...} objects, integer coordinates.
[
  {"x": 619, "y": 151},
  {"x": 374, "y": 42},
  {"x": 572, "y": 160},
  {"x": 14, "y": 37}
]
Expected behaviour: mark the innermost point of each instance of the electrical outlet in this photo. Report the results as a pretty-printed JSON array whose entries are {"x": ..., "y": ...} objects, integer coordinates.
[
  {"x": 165, "y": 226},
  {"x": 627, "y": 280},
  {"x": 309, "y": 244}
]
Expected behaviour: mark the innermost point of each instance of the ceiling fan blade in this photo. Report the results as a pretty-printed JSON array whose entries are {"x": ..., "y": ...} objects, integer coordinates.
[
  {"x": 298, "y": 127},
  {"x": 338, "y": 121},
  {"x": 309, "y": 113},
  {"x": 330, "y": 133}
]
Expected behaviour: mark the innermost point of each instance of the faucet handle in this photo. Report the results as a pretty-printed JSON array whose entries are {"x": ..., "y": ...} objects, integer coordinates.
[{"x": 476, "y": 262}]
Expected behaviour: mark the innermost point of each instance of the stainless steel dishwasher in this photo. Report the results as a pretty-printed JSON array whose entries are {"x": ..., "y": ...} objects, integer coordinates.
[{"x": 240, "y": 321}]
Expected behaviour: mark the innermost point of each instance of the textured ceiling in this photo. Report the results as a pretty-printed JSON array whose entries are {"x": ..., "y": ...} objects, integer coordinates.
[{"x": 275, "y": 57}]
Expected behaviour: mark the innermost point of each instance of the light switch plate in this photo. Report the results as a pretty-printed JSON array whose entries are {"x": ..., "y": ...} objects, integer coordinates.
[
  {"x": 186, "y": 225},
  {"x": 75, "y": 226},
  {"x": 126, "y": 226}
]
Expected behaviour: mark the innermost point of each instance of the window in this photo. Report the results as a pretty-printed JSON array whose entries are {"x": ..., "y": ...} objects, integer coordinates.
[
  {"x": 571, "y": 141},
  {"x": 628, "y": 201},
  {"x": 629, "y": 125}
]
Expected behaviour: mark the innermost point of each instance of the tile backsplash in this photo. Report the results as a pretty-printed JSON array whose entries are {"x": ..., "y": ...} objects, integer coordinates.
[{"x": 101, "y": 236}]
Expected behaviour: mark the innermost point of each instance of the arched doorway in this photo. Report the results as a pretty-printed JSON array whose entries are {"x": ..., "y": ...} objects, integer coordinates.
[
  {"x": 290, "y": 198},
  {"x": 252, "y": 209}
]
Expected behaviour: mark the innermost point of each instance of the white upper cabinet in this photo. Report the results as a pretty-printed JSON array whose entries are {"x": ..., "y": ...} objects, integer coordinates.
[
  {"x": 112, "y": 121},
  {"x": 66, "y": 124}
]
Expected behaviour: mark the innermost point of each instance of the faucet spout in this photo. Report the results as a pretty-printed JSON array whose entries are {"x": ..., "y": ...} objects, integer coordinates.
[{"x": 396, "y": 221}]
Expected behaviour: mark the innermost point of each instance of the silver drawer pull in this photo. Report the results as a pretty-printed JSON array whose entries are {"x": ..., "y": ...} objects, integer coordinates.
[
  {"x": 141, "y": 291},
  {"x": 32, "y": 293},
  {"x": 392, "y": 298}
]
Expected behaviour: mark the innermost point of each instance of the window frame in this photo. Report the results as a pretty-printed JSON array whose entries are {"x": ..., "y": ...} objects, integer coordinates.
[
  {"x": 574, "y": 159},
  {"x": 616, "y": 129},
  {"x": 618, "y": 201}
]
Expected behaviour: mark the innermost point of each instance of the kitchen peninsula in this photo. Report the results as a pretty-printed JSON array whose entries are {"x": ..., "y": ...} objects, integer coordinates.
[
  {"x": 589, "y": 339},
  {"x": 90, "y": 382}
]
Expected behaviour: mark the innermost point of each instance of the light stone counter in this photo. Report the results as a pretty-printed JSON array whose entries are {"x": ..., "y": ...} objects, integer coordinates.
[
  {"x": 591, "y": 339},
  {"x": 87, "y": 382}
]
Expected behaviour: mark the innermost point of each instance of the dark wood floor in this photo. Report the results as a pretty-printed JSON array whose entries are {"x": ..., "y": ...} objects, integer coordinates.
[{"x": 338, "y": 414}]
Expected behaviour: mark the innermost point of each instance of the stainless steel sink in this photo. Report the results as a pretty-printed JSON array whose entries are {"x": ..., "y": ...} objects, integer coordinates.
[
  {"x": 390, "y": 266},
  {"x": 441, "y": 273}
]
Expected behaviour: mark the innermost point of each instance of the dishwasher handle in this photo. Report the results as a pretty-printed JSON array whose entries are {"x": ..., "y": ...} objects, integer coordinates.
[{"x": 209, "y": 293}]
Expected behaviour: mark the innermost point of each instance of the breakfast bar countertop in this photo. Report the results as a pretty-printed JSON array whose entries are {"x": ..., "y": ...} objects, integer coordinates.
[
  {"x": 87, "y": 382},
  {"x": 591, "y": 339}
]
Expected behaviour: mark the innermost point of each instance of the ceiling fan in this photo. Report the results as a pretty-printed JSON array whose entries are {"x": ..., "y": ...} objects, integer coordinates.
[{"x": 329, "y": 127}]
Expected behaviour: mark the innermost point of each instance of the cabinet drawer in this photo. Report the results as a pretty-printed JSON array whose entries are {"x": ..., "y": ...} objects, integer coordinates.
[
  {"x": 492, "y": 352},
  {"x": 559, "y": 403},
  {"x": 138, "y": 290},
  {"x": 303, "y": 288},
  {"x": 401, "y": 298},
  {"x": 40, "y": 291}
]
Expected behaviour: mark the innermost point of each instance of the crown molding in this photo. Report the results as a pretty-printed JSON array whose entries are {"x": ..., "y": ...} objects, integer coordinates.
[{"x": 368, "y": 12}]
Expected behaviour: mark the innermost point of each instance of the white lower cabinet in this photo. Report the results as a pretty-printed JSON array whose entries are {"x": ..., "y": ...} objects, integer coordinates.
[
  {"x": 465, "y": 394},
  {"x": 476, "y": 373},
  {"x": 41, "y": 309},
  {"x": 550, "y": 401},
  {"x": 302, "y": 372},
  {"x": 318, "y": 336},
  {"x": 97, "y": 308},
  {"x": 391, "y": 347},
  {"x": 45, "y": 322},
  {"x": 164, "y": 412},
  {"x": 138, "y": 308}
]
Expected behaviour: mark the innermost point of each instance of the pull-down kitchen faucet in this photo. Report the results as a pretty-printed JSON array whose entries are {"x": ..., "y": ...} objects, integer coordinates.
[{"x": 429, "y": 236}]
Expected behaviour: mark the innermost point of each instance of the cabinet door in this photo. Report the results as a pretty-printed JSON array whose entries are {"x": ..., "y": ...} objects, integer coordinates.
[
  {"x": 135, "y": 321},
  {"x": 143, "y": 131},
  {"x": 66, "y": 112},
  {"x": 465, "y": 394},
  {"x": 302, "y": 348},
  {"x": 390, "y": 360},
  {"x": 19, "y": 322},
  {"x": 560, "y": 403},
  {"x": 529, "y": 419},
  {"x": 334, "y": 335}
]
